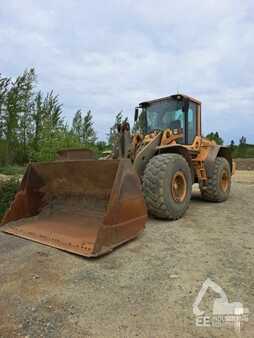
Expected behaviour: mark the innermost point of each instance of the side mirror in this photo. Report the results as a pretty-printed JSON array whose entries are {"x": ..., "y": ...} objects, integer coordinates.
[{"x": 136, "y": 114}]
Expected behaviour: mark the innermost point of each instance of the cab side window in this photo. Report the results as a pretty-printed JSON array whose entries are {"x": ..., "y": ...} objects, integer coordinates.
[{"x": 192, "y": 122}]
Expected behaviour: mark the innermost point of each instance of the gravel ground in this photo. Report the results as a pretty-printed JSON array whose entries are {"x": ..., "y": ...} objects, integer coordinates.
[{"x": 145, "y": 288}]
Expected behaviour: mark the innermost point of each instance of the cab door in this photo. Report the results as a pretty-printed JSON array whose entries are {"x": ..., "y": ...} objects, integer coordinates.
[{"x": 191, "y": 122}]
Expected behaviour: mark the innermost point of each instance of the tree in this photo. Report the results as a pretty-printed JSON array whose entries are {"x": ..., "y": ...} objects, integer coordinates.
[
  {"x": 51, "y": 142},
  {"x": 4, "y": 87},
  {"x": 37, "y": 116},
  {"x": 215, "y": 137},
  {"x": 101, "y": 145},
  {"x": 83, "y": 128},
  {"x": 232, "y": 145},
  {"x": 16, "y": 117},
  {"x": 32, "y": 126},
  {"x": 77, "y": 125},
  {"x": 48, "y": 125},
  {"x": 113, "y": 133},
  {"x": 25, "y": 99},
  {"x": 16, "y": 100},
  {"x": 243, "y": 148},
  {"x": 52, "y": 111},
  {"x": 242, "y": 141},
  {"x": 88, "y": 132}
]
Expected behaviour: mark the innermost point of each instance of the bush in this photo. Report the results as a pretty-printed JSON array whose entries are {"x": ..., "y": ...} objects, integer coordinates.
[
  {"x": 8, "y": 190},
  {"x": 243, "y": 151}
]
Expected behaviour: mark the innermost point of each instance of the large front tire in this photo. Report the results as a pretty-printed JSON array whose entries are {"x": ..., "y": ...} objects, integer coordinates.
[
  {"x": 167, "y": 186},
  {"x": 219, "y": 184}
]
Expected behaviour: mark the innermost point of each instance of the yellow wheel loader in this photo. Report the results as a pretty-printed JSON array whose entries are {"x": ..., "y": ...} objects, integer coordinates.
[
  {"x": 88, "y": 207},
  {"x": 169, "y": 155}
]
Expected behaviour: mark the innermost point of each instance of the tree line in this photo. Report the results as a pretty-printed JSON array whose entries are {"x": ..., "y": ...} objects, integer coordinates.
[
  {"x": 32, "y": 127},
  {"x": 242, "y": 149}
]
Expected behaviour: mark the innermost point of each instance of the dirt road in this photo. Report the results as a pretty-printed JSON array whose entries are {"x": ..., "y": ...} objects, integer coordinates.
[{"x": 143, "y": 289}]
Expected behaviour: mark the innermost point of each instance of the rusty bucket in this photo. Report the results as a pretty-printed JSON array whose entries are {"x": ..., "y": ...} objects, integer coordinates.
[{"x": 87, "y": 207}]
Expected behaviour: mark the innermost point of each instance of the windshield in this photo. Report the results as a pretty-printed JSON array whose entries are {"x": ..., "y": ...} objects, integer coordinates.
[{"x": 164, "y": 114}]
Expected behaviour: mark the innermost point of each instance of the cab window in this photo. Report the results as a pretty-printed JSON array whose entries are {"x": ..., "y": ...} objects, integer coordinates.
[{"x": 192, "y": 122}]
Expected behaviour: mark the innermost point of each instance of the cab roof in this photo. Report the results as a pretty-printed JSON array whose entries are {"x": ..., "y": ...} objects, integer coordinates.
[{"x": 175, "y": 96}]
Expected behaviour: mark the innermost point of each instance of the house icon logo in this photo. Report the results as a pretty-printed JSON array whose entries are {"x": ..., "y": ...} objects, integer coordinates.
[{"x": 224, "y": 313}]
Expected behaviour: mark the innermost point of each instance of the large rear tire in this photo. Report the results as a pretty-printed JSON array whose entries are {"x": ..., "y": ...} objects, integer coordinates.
[
  {"x": 167, "y": 186},
  {"x": 219, "y": 184}
]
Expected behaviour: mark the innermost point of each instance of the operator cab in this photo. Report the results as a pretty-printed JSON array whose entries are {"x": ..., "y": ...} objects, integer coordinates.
[{"x": 178, "y": 112}]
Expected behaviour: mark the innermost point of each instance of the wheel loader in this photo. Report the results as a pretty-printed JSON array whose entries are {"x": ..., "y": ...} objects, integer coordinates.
[
  {"x": 169, "y": 155},
  {"x": 89, "y": 207}
]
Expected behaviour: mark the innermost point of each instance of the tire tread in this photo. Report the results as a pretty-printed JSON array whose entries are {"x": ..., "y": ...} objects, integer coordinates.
[
  {"x": 153, "y": 185},
  {"x": 211, "y": 192}
]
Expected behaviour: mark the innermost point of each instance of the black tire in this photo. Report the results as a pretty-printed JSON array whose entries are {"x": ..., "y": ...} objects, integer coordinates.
[
  {"x": 217, "y": 190},
  {"x": 163, "y": 197}
]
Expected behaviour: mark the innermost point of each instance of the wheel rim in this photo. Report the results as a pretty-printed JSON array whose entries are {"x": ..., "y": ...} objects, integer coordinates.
[
  {"x": 179, "y": 187},
  {"x": 224, "y": 182}
]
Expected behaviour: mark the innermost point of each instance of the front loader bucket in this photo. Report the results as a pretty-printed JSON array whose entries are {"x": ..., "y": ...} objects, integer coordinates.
[{"x": 87, "y": 207}]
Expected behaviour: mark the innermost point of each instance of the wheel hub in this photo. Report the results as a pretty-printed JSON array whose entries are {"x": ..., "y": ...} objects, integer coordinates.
[
  {"x": 224, "y": 180},
  {"x": 179, "y": 187}
]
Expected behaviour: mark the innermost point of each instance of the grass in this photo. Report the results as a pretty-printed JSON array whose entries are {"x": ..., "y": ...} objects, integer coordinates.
[
  {"x": 9, "y": 186},
  {"x": 8, "y": 190},
  {"x": 12, "y": 170}
]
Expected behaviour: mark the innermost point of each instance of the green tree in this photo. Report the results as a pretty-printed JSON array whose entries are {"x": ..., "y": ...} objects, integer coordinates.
[
  {"x": 77, "y": 127},
  {"x": 88, "y": 132},
  {"x": 242, "y": 141},
  {"x": 4, "y": 87},
  {"x": 11, "y": 119},
  {"x": 232, "y": 145},
  {"x": 83, "y": 128},
  {"x": 113, "y": 133},
  {"x": 52, "y": 111},
  {"x": 49, "y": 131},
  {"x": 16, "y": 102},
  {"x": 25, "y": 99},
  {"x": 101, "y": 145},
  {"x": 51, "y": 142},
  {"x": 37, "y": 116},
  {"x": 215, "y": 137},
  {"x": 32, "y": 126},
  {"x": 243, "y": 147}
]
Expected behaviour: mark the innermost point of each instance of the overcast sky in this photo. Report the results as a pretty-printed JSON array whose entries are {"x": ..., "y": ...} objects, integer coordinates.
[{"x": 110, "y": 55}]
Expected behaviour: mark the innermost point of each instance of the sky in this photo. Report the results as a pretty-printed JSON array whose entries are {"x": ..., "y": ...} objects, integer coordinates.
[{"x": 108, "y": 56}]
